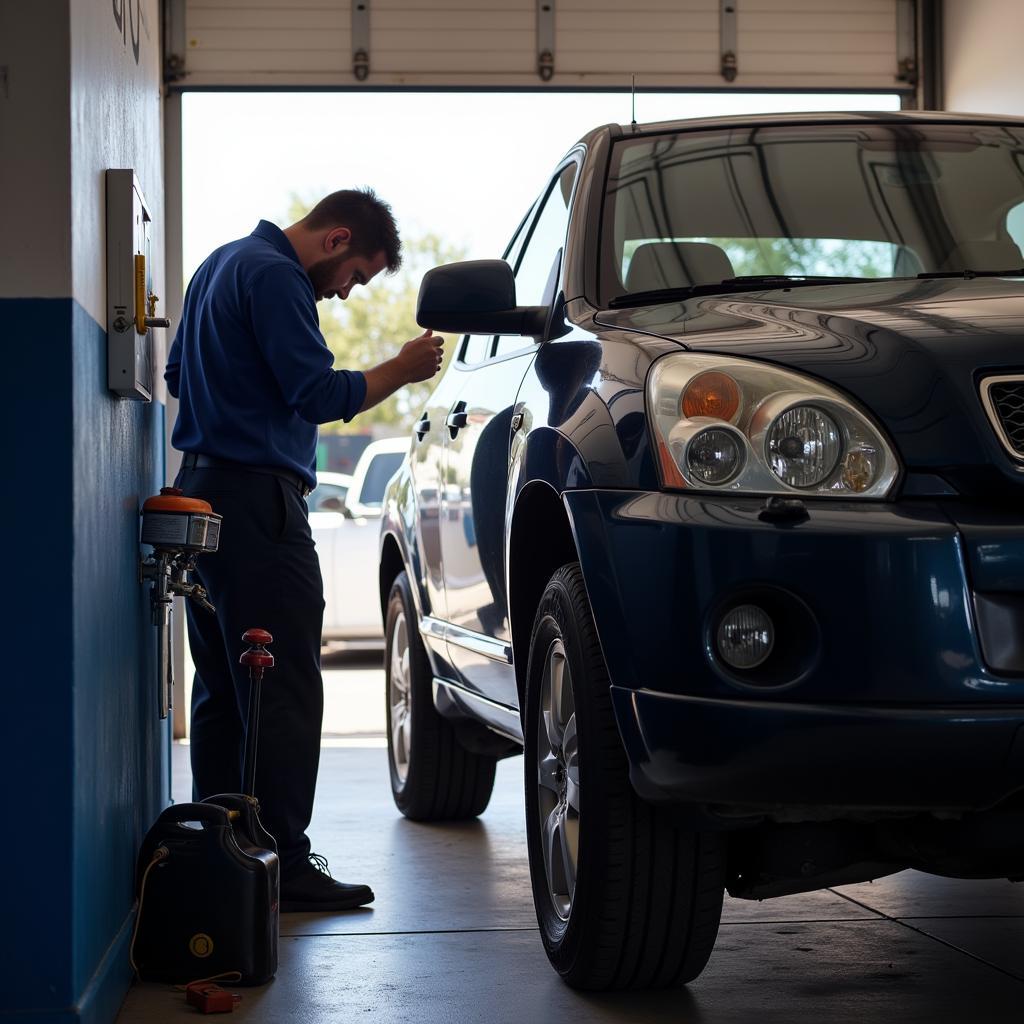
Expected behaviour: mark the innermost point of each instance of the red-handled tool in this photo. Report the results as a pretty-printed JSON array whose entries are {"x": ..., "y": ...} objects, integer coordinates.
[{"x": 257, "y": 658}]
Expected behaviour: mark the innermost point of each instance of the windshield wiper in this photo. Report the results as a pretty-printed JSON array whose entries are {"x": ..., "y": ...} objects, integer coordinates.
[
  {"x": 730, "y": 284},
  {"x": 968, "y": 274}
]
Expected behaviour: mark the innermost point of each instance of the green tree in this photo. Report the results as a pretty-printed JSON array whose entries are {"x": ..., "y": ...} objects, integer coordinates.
[
  {"x": 374, "y": 322},
  {"x": 817, "y": 256}
]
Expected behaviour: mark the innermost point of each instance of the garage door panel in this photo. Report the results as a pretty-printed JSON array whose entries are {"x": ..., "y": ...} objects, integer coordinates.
[
  {"x": 495, "y": 60},
  {"x": 495, "y": 23},
  {"x": 232, "y": 64},
  {"x": 644, "y": 8},
  {"x": 269, "y": 41},
  {"x": 577, "y": 27},
  {"x": 885, "y": 9},
  {"x": 811, "y": 43},
  {"x": 605, "y": 45},
  {"x": 256, "y": 5},
  {"x": 834, "y": 27},
  {"x": 412, "y": 62},
  {"x": 657, "y": 66},
  {"x": 227, "y": 19},
  {"x": 847, "y": 65},
  {"x": 442, "y": 6},
  {"x": 779, "y": 44}
]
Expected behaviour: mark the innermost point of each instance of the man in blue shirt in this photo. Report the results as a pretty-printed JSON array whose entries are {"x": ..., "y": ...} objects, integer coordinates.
[{"x": 254, "y": 379}]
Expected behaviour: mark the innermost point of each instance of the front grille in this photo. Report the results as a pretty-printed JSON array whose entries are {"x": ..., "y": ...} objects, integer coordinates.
[{"x": 1003, "y": 398}]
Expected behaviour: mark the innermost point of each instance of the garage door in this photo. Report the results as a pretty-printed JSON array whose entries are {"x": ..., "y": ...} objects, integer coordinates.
[{"x": 750, "y": 44}]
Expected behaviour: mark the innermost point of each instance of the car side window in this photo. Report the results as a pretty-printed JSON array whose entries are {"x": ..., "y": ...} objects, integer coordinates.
[
  {"x": 546, "y": 238},
  {"x": 515, "y": 247},
  {"x": 474, "y": 348},
  {"x": 534, "y": 265}
]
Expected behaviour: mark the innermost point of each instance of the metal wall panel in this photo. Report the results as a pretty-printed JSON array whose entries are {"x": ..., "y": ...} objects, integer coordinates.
[{"x": 779, "y": 44}]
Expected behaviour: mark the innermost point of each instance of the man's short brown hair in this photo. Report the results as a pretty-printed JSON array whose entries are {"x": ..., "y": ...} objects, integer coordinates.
[{"x": 369, "y": 219}]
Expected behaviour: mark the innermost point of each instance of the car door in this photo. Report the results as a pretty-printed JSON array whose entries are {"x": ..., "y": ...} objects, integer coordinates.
[
  {"x": 426, "y": 462},
  {"x": 479, "y": 431}
]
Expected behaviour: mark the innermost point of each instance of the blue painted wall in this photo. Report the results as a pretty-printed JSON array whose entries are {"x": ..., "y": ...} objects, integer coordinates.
[
  {"x": 36, "y": 723},
  {"x": 86, "y": 755},
  {"x": 120, "y": 746}
]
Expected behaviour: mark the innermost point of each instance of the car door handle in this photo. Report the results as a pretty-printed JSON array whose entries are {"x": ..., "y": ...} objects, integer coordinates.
[
  {"x": 457, "y": 419},
  {"x": 421, "y": 429}
]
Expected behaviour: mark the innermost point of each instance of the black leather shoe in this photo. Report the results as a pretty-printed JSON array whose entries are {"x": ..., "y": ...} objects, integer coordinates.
[{"x": 311, "y": 889}]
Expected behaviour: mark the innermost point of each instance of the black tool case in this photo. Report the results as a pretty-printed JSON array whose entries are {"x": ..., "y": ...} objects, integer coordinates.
[{"x": 210, "y": 906}]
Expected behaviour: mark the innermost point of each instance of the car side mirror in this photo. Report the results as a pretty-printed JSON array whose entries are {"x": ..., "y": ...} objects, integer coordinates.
[{"x": 476, "y": 297}]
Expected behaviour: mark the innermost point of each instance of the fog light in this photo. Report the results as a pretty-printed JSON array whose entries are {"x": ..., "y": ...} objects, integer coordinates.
[{"x": 745, "y": 637}]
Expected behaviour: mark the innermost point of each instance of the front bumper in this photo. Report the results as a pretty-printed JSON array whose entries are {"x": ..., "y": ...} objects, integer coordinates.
[
  {"x": 887, "y": 701},
  {"x": 755, "y": 756}
]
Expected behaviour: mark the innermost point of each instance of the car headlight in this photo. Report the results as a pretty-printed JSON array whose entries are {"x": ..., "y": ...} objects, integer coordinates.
[{"x": 739, "y": 426}]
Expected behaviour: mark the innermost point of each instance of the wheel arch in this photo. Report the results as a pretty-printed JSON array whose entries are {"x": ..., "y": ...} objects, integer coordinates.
[
  {"x": 540, "y": 542},
  {"x": 391, "y": 564}
]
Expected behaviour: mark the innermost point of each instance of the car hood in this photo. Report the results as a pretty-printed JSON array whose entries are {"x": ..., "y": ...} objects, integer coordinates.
[{"x": 910, "y": 352}]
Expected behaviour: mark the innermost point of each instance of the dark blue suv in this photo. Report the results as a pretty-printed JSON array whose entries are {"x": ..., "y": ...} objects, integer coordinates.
[{"x": 717, "y": 516}]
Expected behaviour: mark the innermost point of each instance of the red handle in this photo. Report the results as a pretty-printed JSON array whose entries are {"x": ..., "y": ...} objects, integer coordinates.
[{"x": 257, "y": 656}]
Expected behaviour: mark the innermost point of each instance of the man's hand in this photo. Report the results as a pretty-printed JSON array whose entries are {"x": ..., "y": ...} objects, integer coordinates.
[
  {"x": 417, "y": 360},
  {"x": 421, "y": 357}
]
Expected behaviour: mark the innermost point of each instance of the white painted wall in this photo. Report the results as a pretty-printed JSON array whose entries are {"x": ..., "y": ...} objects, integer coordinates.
[
  {"x": 982, "y": 62},
  {"x": 115, "y": 122},
  {"x": 35, "y": 199},
  {"x": 76, "y": 101}
]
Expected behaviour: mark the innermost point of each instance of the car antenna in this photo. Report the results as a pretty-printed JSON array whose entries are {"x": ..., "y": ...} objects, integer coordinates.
[{"x": 632, "y": 96}]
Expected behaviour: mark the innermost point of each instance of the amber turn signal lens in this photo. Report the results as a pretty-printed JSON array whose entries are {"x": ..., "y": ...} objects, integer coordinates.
[{"x": 712, "y": 393}]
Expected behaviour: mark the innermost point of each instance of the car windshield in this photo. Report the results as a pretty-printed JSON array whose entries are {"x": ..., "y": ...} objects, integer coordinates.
[
  {"x": 381, "y": 469},
  {"x": 692, "y": 209}
]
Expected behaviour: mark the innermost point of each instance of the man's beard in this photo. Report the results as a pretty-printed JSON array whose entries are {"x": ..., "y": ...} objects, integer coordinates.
[{"x": 321, "y": 272}]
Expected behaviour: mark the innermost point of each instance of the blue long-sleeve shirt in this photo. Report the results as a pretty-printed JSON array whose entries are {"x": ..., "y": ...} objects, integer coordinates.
[{"x": 249, "y": 366}]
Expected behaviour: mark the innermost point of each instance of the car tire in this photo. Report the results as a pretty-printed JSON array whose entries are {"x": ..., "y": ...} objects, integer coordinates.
[
  {"x": 639, "y": 907},
  {"x": 433, "y": 777}
]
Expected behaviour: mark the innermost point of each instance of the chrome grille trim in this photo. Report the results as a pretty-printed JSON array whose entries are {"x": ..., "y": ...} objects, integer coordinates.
[{"x": 993, "y": 414}]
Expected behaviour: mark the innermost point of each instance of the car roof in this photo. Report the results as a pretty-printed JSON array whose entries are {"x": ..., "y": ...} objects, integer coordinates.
[{"x": 798, "y": 118}]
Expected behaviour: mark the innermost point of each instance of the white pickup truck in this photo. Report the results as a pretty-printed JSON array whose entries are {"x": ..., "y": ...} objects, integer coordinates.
[{"x": 346, "y": 537}]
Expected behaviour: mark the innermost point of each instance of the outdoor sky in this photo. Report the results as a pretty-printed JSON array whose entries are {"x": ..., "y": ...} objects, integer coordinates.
[{"x": 463, "y": 165}]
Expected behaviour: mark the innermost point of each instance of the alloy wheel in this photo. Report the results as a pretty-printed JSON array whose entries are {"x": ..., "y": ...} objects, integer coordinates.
[
  {"x": 400, "y": 698},
  {"x": 558, "y": 779}
]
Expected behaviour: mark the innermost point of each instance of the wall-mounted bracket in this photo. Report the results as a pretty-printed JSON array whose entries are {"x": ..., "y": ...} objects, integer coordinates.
[
  {"x": 727, "y": 15},
  {"x": 131, "y": 304},
  {"x": 545, "y": 39},
  {"x": 361, "y": 39}
]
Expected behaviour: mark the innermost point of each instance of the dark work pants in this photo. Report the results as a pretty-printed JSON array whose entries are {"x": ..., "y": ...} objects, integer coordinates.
[{"x": 265, "y": 574}]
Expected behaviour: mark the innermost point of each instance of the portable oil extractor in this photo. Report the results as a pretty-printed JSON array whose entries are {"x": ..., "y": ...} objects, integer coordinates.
[
  {"x": 208, "y": 873},
  {"x": 209, "y": 877}
]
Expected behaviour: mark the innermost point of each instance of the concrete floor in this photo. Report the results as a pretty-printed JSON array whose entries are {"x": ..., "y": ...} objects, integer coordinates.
[{"x": 452, "y": 936}]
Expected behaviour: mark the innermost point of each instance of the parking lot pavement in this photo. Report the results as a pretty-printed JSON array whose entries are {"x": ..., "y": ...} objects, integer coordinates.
[{"x": 353, "y": 695}]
